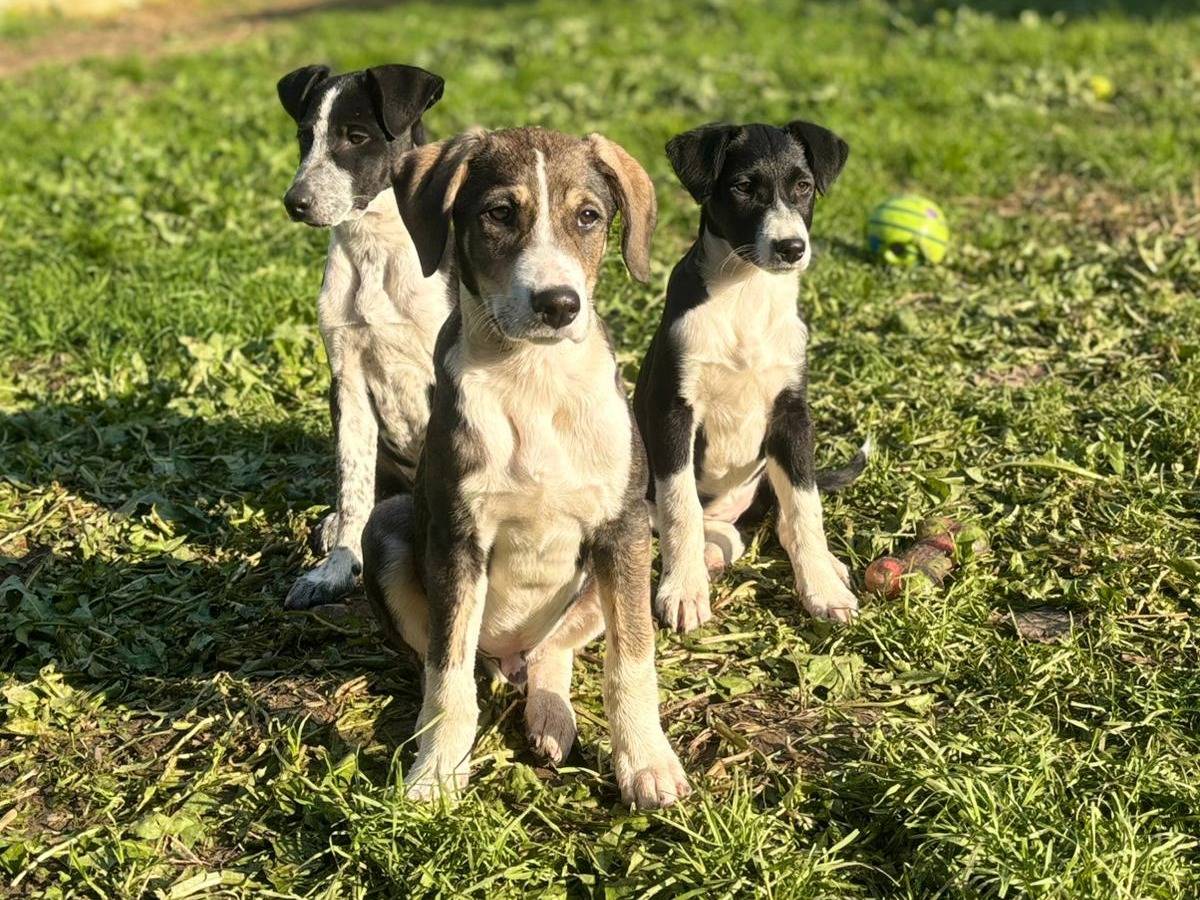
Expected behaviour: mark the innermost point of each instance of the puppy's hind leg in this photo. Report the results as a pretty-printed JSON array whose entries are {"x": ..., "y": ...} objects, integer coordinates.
[
  {"x": 390, "y": 576},
  {"x": 723, "y": 545},
  {"x": 549, "y": 716}
]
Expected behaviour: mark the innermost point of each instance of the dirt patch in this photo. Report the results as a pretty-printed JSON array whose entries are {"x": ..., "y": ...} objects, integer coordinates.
[
  {"x": 159, "y": 30},
  {"x": 1108, "y": 212},
  {"x": 1016, "y": 377}
]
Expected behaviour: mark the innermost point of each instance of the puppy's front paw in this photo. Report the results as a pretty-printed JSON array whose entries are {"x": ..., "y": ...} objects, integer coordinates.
[
  {"x": 327, "y": 583},
  {"x": 652, "y": 778},
  {"x": 840, "y": 569},
  {"x": 430, "y": 779},
  {"x": 682, "y": 600},
  {"x": 830, "y": 600},
  {"x": 550, "y": 724}
]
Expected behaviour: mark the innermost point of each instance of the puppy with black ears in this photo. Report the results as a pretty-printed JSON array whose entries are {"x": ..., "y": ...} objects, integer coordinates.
[
  {"x": 721, "y": 395},
  {"x": 378, "y": 312},
  {"x": 526, "y": 533}
]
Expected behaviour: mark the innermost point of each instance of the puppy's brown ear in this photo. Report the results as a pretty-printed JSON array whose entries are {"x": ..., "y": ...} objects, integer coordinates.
[
  {"x": 826, "y": 152},
  {"x": 426, "y": 183},
  {"x": 295, "y": 88},
  {"x": 697, "y": 156},
  {"x": 634, "y": 192},
  {"x": 400, "y": 95}
]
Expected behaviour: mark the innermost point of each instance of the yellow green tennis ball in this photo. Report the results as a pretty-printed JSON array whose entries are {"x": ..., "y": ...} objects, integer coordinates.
[{"x": 907, "y": 229}]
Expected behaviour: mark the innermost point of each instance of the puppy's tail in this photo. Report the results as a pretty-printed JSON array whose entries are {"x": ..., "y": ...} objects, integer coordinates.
[{"x": 831, "y": 480}]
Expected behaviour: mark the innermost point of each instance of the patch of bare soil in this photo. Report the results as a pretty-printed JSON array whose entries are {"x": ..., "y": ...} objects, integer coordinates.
[
  {"x": 1104, "y": 210},
  {"x": 1015, "y": 377},
  {"x": 160, "y": 30}
]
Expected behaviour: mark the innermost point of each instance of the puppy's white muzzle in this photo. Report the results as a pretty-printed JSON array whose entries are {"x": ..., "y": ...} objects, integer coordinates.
[{"x": 782, "y": 244}]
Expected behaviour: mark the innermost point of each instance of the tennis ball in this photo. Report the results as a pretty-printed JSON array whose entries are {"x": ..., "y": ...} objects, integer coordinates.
[
  {"x": 1102, "y": 87},
  {"x": 907, "y": 229}
]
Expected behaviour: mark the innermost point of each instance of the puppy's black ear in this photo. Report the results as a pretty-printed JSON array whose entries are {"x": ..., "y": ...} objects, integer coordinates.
[
  {"x": 698, "y": 155},
  {"x": 826, "y": 152},
  {"x": 426, "y": 183},
  {"x": 295, "y": 88},
  {"x": 400, "y": 95}
]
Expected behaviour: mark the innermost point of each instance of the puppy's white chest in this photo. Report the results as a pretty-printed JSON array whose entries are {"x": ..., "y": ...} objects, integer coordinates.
[
  {"x": 741, "y": 348},
  {"x": 555, "y": 466},
  {"x": 551, "y": 462}
]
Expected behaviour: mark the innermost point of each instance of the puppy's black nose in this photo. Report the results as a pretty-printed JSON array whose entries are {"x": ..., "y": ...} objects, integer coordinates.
[
  {"x": 558, "y": 306},
  {"x": 790, "y": 250},
  {"x": 297, "y": 202}
]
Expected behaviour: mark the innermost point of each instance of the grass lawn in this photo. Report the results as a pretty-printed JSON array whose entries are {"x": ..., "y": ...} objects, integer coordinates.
[{"x": 166, "y": 729}]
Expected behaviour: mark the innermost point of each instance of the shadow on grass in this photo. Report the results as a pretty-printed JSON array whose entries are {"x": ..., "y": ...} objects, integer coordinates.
[{"x": 133, "y": 452}]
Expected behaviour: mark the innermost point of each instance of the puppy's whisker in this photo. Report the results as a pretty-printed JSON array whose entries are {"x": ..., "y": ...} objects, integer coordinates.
[{"x": 736, "y": 255}]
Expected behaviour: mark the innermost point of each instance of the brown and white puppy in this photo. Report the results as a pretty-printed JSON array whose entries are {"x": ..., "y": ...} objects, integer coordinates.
[
  {"x": 526, "y": 534},
  {"x": 721, "y": 397}
]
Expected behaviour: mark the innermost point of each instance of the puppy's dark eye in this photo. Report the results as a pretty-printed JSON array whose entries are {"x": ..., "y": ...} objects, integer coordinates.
[
  {"x": 804, "y": 188},
  {"x": 587, "y": 217},
  {"x": 357, "y": 137},
  {"x": 501, "y": 213},
  {"x": 743, "y": 186}
]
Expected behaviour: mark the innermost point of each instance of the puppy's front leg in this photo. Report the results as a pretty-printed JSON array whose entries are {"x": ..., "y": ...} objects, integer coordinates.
[
  {"x": 356, "y": 433},
  {"x": 648, "y": 772},
  {"x": 449, "y": 711},
  {"x": 821, "y": 579},
  {"x": 682, "y": 600}
]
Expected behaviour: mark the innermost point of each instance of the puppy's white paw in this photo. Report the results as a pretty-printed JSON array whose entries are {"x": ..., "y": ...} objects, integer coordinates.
[
  {"x": 682, "y": 601},
  {"x": 840, "y": 569},
  {"x": 550, "y": 724},
  {"x": 830, "y": 599},
  {"x": 430, "y": 779},
  {"x": 327, "y": 583},
  {"x": 651, "y": 778}
]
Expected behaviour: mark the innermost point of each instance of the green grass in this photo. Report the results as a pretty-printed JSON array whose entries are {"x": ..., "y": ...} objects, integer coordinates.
[{"x": 165, "y": 728}]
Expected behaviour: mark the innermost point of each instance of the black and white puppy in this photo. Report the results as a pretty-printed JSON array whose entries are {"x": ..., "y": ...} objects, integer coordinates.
[
  {"x": 378, "y": 312},
  {"x": 721, "y": 395},
  {"x": 526, "y": 533}
]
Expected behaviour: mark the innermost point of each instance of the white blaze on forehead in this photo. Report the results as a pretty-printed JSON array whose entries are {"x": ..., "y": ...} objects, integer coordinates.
[
  {"x": 331, "y": 186},
  {"x": 544, "y": 264},
  {"x": 319, "y": 149},
  {"x": 543, "y": 211},
  {"x": 782, "y": 223}
]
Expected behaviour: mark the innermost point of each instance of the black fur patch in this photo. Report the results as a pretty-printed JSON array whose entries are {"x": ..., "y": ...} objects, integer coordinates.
[{"x": 663, "y": 417}]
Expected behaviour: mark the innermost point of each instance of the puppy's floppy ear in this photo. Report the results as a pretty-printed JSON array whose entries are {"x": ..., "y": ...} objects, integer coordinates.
[
  {"x": 426, "y": 183},
  {"x": 295, "y": 88},
  {"x": 400, "y": 95},
  {"x": 634, "y": 192},
  {"x": 826, "y": 152},
  {"x": 698, "y": 155}
]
